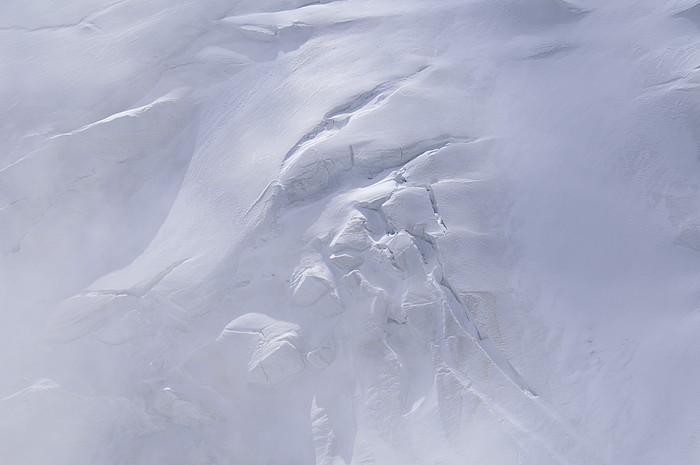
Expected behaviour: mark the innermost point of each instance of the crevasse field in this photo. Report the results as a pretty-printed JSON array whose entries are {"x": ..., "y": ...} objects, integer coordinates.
[{"x": 352, "y": 232}]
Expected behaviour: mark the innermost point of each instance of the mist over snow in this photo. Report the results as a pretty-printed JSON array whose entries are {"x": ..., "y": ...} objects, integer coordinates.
[{"x": 351, "y": 232}]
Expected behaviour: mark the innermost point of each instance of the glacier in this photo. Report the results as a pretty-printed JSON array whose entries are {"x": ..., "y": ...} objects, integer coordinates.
[{"x": 344, "y": 232}]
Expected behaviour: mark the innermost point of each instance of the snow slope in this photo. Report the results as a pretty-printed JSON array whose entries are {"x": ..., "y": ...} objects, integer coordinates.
[{"x": 347, "y": 232}]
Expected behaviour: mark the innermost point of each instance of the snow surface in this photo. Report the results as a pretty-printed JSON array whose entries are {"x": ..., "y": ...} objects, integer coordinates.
[{"x": 290, "y": 232}]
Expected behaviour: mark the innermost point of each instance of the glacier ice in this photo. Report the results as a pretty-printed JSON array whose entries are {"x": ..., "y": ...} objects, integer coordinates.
[{"x": 342, "y": 232}]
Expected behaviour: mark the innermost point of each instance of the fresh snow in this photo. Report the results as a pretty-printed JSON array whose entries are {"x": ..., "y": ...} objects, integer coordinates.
[{"x": 291, "y": 232}]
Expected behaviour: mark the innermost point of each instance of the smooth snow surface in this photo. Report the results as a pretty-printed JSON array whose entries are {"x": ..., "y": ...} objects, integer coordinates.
[{"x": 291, "y": 232}]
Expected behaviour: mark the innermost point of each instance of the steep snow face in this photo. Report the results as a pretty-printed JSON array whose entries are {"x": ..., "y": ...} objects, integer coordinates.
[{"x": 292, "y": 232}]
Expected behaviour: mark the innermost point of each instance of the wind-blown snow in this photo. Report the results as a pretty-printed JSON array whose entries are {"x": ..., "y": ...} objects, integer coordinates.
[{"x": 291, "y": 232}]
